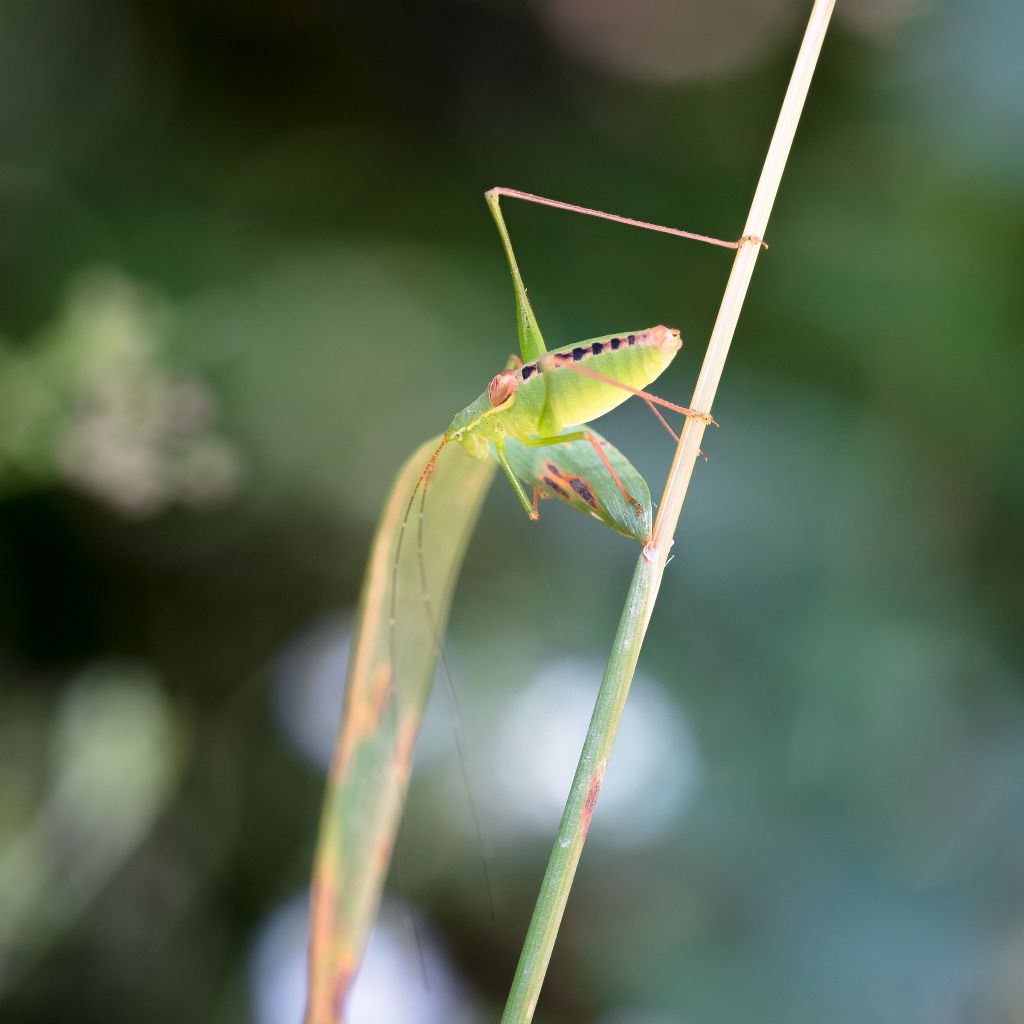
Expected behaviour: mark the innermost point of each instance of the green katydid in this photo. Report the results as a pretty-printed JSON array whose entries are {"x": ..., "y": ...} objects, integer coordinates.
[
  {"x": 538, "y": 395},
  {"x": 541, "y": 392}
]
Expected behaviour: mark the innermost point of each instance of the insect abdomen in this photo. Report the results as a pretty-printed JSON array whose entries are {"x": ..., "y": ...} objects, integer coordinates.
[{"x": 568, "y": 397}]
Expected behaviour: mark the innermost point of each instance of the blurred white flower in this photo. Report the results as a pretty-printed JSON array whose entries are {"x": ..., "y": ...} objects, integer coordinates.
[
  {"x": 651, "y": 774},
  {"x": 405, "y": 975},
  {"x": 117, "y": 754}
]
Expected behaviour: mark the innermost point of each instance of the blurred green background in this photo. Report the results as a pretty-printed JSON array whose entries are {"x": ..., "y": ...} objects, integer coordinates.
[{"x": 245, "y": 267}]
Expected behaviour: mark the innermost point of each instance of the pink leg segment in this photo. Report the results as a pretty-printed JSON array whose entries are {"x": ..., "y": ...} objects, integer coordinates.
[{"x": 529, "y": 197}]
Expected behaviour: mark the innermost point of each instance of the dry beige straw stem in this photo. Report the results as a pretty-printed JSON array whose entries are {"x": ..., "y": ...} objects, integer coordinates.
[
  {"x": 735, "y": 291},
  {"x": 643, "y": 591}
]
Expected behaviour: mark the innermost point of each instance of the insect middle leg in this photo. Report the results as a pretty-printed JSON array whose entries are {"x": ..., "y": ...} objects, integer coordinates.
[{"x": 530, "y": 507}]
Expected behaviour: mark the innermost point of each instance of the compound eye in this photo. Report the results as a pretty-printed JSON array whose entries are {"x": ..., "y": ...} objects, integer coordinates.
[{"x": 502, "y": 388}]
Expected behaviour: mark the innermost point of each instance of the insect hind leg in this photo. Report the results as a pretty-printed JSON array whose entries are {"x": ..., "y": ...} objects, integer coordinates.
[
  {"x": 651, "y": 401},
  {"x": 513, "y": 193}
]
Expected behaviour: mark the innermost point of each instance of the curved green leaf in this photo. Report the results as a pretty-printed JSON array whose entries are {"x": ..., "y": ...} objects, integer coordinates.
[
  {"x": 574, "y": 473},
  {"x": 389, "y": 677}
]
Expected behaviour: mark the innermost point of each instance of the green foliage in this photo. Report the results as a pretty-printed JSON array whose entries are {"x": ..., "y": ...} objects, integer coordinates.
[
  {"x": 574, "y": 473},
  {"x": 390, "y": 672}
]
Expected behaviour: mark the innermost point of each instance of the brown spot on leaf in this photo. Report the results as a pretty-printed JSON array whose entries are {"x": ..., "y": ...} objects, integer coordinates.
[
  {"x": 381, "y": 693},
  {"x": 381, "y": 855},
  {"x": 557, "y": 488},
  {"x": 583, "y": 489},
  {"x": 405, "y": 747},
  {"x": 343, "y": 978},
  {"x": 363, "y": 710},
  {"x": 592, "y": 795}
]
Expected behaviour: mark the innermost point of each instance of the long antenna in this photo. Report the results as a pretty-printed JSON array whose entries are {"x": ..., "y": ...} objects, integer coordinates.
[
  {"x": 392, "y": 614},
  {"x": 456, "y": 715},
  {"x": 422, "y": 481}
]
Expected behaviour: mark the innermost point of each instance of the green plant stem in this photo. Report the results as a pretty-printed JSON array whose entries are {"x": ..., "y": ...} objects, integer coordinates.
[
  {"x": 643, "y": 590},
  {"x": 572, "y": 832}
]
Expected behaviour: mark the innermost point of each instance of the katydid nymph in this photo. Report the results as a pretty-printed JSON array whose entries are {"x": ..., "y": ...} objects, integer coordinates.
[{"x": 540, "y": 392}]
